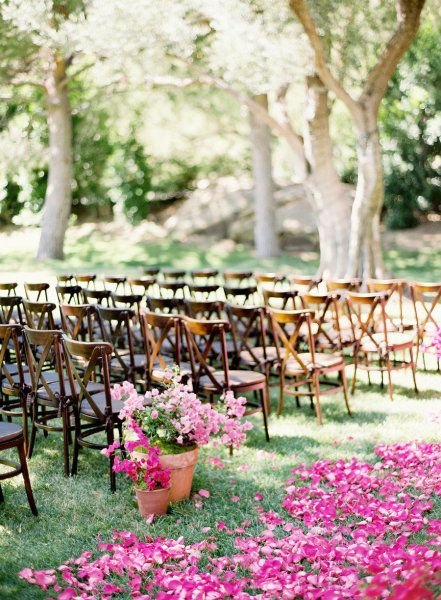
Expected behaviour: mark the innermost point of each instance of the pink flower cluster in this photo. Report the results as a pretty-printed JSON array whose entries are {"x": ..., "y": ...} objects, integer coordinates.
[
  {"x": 352, "y": 536},
  {"x": 434, "y": 343}
]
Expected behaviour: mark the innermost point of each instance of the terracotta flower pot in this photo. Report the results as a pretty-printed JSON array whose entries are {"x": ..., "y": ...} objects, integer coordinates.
[
  {"x": 181, "y": 475},
  {"x": 153, "y": 502}
]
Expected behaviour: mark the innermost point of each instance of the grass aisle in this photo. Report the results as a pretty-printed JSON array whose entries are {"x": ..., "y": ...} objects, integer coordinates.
[{"x": 74, "y": 511}]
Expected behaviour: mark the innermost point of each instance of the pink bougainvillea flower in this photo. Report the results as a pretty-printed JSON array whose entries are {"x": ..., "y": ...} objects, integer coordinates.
[
  {"x": 258, "y": 497},
  {"x": 204, "y": 493},
  {"x": 243, "y": 468},
  {"x": 216, "y": 462},
  {"x": 149, "y": 519},
  {"x": 235, "y": 498},
  {"x": 198, "y": 504}
]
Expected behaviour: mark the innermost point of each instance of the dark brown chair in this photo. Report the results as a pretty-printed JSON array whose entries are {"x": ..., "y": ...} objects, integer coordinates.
[
  {"x": 203, "y": 309},
  {"x": 115, "y": 283},
  {"x": 35, "y": 291},
  {"x": 39, "y": 315},
  {"x": 426, "y": 300},
  {"x": 94, "y": 413},
  {"x": 165, "y": 305},
  {"x": 11, "y": 310},
  {"x": 269, "y": 280},
  {"x": 203, "y": 291},
  {"x": 325, "y": 321},
  {"x": 9, "y": 288},
  {"x": 117, "y": 329},
  {"x": 240, "y": 295},
  {"x": 375, "y": 347},
  {"x": 280, "y": 299},
  {"x": 131, "y": 301},
  {"x": 173, "y": 274},
  {"x": 162, "y": 334},
  {"x": 200, "y": 336},
  {"x": 86, "y": 281},
  {"x": 142, "y": 285},
  {"x": 152, "y": 271},
  {"x": 336, "y": 285},
  {"x": 78, "y": 321},
  {"x": 303, "y": 283},
  {"x": 69, "y": 294},
  {"x": 65, "y": 279},
  {"x": 173, "y": 289},
  {"x": 104, "y": 297},
  {"x": 299, "y": 369},
  {"x": 11, "y": 436},
  {"x": 236, "y": 278},
  {"x": 204, "y": 274}
]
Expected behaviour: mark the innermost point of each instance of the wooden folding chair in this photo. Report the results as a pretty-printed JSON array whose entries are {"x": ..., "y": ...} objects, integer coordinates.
[
  {"x": 162, "y": 335},
  {"x": 36, "y": 291},
  {"x": 372, "y": 342},
  {"x": 11, "y": 310},
  {"x": 237, "y": 278},
  {"x": 427, "y": 310},
  {"x": 172, "y": 274},
  {"x": 240, "y": 295},
  {"x": 204, "y": 275},
  {"x": 115, "y": 283},
  {"x": 39, "y": 315},
  {"x": 86, "y": 280},
  {"x": 203, "y": 291},
  {"x": 280, "y": 299},
  {"x": 10, "y": 288},
  {"x": 152, "y": 271},
  {"x": 325, "y": 322},
  {"x": 69, "y": 294},
  {"x": 337, "y": 285},
  {"x": 299, "y": 369},
  {"x": 394, "y": 288},
  {"x": 65, "y": 279},
  {"x": 303, "y": 283},
  {"x": 165, "y": 305},
  {"x": 201, "y": 335},
  {"x": 141, "y": 285},
  {"x": 78, "y": 321},
  {"x": 173, "y": 289},
  {"x": 103, "y": 297}
]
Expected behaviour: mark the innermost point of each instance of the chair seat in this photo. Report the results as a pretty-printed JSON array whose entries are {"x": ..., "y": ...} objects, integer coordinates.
[
  {"x": 158, "y": 374},
  {"x": 140, "y": 361},
  {"x": 9, "y": 431},
  {"x": 237, "y": 379},
  {"x": 100, "y": 401},
  {"x": 50, "y": 377},
  {"x": 322, "y": 361},
  {"x": 13, "y": 369},
  {"x": 260, "y": 352},
  {"x": 395, "y": 341},
  {"x": 92, "y": 388}
]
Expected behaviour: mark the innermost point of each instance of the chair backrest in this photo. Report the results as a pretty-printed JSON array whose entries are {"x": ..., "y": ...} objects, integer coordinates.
[
  {"x": 268, "y": 280},
  {"x": 201, "y": 335},
  {"x": 162, "y": 337},
  {"x": 11, "y": 310},
  {"x": 173, "y": 289},
  {"x": 132, "y": 301},
  {"x": 104, "y": 297},
  {"x": 69, "y": 294},
  {"x": 235, "y": 278},
  {"x": 204, "y": 274},
  {"x": 248, "y": 325},
  {"x": 394, "y": 289},
  {"x": 39, "y": 315},
  {"x": 326, "y": 311},
  {"x": 77, "y": 321},
  {"x": 367, "y": 315},
  {"x": 280, "y": 299},
  {"x": 43, "y": 350},
  {"x": 141, "y": 285},
  {"x": 114, "y": 283},
  {"x": 303, "y": 283},
  {"x": 203, "y": 291},
  {"x": 10, "y": 288},
  {"x": 352, "y": 285},
  {"x": 165, "y": 305},
  {"x": 94, "y": 357},
  {"x": 173, "y": 274},
  {"x": 288, "y": 326},
  {"x": 116, "y": 329},
  {"x": 65, "y": 279},
  {"x": 10, "y": 344},
  {"x": 426, "y": 299},
  {"x": 35, "y": 291},
  {"x": 153, "y": 271},
  {"x": 86, "y": 281},
  {"x": 240, "y": 295},
  {"x": 203, "y": 309}
]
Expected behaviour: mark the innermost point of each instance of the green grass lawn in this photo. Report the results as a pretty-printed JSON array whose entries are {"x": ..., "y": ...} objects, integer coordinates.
[{"x": 74, "y": 511}]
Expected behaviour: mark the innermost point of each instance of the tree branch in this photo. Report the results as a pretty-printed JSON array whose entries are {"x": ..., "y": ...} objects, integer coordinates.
[
  {"x": 408, "y": 17},
  {"x": 23, "y": 82},
  {"x": 332, "y": 83}
]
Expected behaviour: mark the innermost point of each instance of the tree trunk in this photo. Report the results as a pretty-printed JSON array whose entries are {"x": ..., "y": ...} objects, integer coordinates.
[
  {"x": 364, "y": 244},
  {"x": 330, "y": 197},
  {"x": 58, "y": 192},
  {"x": 265, "y": 232}
]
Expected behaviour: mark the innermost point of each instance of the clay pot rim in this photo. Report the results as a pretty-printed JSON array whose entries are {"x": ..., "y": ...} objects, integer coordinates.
[{"x": 162, "y": 489}]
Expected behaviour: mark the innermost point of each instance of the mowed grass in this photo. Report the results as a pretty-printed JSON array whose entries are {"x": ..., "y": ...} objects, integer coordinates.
[{"x": 74, "y": 511}]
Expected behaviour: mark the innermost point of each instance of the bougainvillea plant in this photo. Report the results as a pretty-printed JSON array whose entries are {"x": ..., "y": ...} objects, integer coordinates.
[
  {"x": 177, "y": 420},
  {"x": 351, "y": 529},
  {"x": 145, "y": 471},
  {"x": 434, "y": 343}
]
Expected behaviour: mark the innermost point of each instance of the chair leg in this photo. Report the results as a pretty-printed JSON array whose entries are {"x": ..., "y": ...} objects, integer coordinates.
[
  {"x": 263, "y": 403},
  {"x": 2, "y": 498},
  {"x": 354, "y": 376},
  {"x": 389, "y": 375},
  {"x": 76, "y": 446},
  {"x": 66, "y": 430},
  {"x": 318, "y": 408},
  {"x": 413, "y": 367},
  {"x": 27, "y": 481},
  {"x": 345, "y": 390},
  {"x": 110, "y": 440},
  {"x": 24, "y": 409},
  {"x": 281, "y": 394}
]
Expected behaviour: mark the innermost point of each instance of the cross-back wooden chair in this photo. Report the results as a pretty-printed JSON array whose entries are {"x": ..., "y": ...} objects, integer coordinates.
[
  {"x": 203, "y": 309},
  {"x": 69, "y": 294},
  {"x": 142, "y": 285},
  {"x": 11, "y": 310},
  {"x": 8, "y": 289},
  {"x": 173, "y": 274},
  {"x": 117, "y": 329},
  {"x": 394, "y": 288},
  {"x": 201, "y": 335},
  {"x": 39, "y": 315},
  {"x": 103, "y": 297},
  {"x": 280, "y": 299},
  {"x": 336, "y": 285},
  {"x": 237, "y": 278},
  {"x": 86, "y": 280},
  {"x": 426, "y": 301},
  {"x": 65, "y": 279},
  {"x": 11, "y": 436},
  {"x": 299, "y": 369},
  {"x": 173, "y": 289},
  {"x": 49, "y": 395},
  {"x": 325, "y": 322},
  {"x": 131, "y": 301},
  {"x": 375, "y": 349},
  {"x": 165, "y": 305},
  {"x": 163, "y": 345},
  {"x": 204, "y": 275},
  {"x": 203, "y": 291},
  {"x": 240, "y": 295},
  {"x": 14, "y": 379},
  {"x": 93, "y": 412},
  {"x": 152, "y": 271},
  {"x": 303, "y": 283},
  {"x": 269, "y": 280},
  {"x": 36, "y": 291},
  {"x": 115, "y": 283},
  {"x": 78, "y": 321}
]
